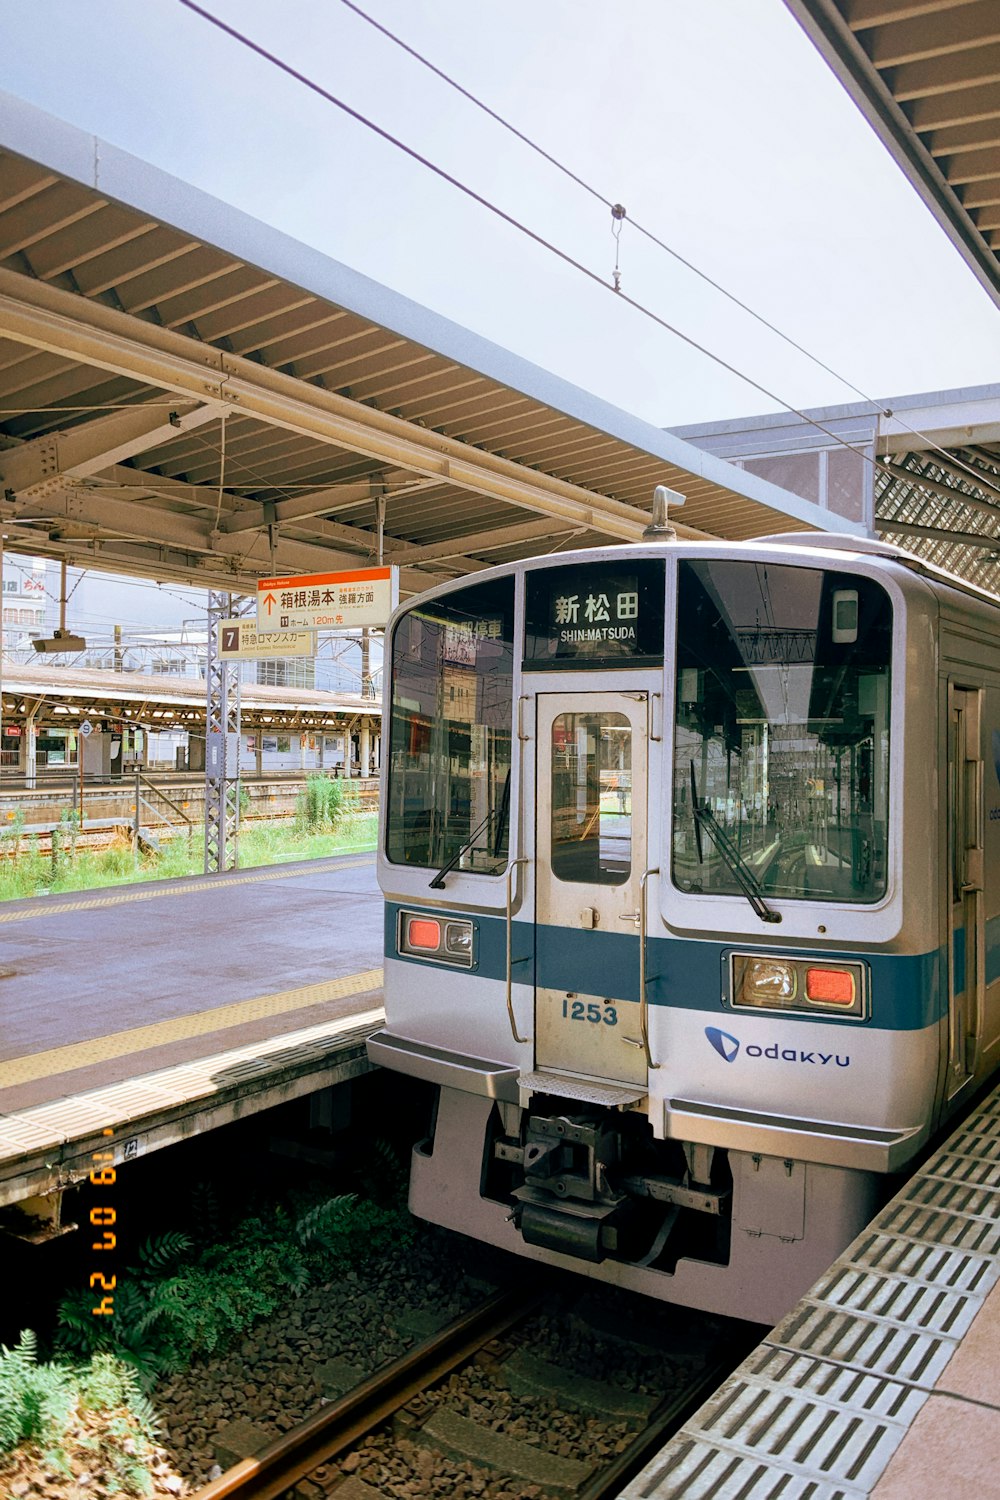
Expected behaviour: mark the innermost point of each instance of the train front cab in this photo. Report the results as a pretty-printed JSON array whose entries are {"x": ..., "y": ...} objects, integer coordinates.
[{"x": 622, "y": 1088}]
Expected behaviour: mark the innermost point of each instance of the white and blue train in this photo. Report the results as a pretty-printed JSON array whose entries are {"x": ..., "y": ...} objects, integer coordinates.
[{"x": 689, "y": 855}]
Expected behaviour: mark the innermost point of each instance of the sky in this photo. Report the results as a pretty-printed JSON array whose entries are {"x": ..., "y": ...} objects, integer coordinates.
[{"x": 714, "y": 122}]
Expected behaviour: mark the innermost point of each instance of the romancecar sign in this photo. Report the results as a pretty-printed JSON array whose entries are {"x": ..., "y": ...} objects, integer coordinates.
[
  {"x": 240, "y": 639},
  {"x": 327, "y": 601}
]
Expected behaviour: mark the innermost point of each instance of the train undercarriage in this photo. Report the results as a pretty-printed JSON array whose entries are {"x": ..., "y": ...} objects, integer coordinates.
[{"x": 589, "y": 1189}]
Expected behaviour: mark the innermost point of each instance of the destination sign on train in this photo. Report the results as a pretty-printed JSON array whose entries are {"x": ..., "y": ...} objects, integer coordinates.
[
  {"x": 241, "y": 640},
  {"x": 328, "y": 601},
  {"x": 594, "y": 612}
]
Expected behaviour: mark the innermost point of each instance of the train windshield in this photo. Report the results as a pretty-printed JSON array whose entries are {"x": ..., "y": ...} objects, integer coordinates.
[
  {"x": 450, "y": 731},
  {"x": 781, "y": 752}
]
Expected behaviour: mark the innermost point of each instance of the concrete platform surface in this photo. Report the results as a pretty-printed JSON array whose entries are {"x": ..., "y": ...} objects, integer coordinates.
[
  {"x": 953, "y": 1446},
  {"x": 136, "y": 1017},
  {"x": 101, "y": 986}
]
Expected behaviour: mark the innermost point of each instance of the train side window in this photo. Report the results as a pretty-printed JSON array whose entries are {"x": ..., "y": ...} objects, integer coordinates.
[
  {"x": 592, "y": 798},
  {"x": 452, "y": 664}
]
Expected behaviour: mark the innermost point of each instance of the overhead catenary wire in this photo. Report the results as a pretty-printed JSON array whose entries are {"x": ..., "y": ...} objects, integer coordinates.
[
  {"x": 509, "y": 219},
  {"x": 565, "y": 256},
  {"x": 618, "y": 215}
]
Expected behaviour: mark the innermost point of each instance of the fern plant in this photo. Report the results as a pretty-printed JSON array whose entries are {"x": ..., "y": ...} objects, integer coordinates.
[
  {"x": 141, "y": 1333},
  {"x": 381, "y": 1174},
  {"x": 206, "y": 1212},
  {"x": 173, "y": 1305},
  {"x": 343, "y": 1232},
  {"x": 35, "y": 1400},
  {"x": 326, "y": 1220}
]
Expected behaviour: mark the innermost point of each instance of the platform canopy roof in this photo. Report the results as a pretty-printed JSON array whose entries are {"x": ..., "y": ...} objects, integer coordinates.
[
  {"x": 926, "y": 74},
  {"x": 929, "y": 465},
  {"x": 188, "y": 394},
  {"x": 68, "y": 694}
]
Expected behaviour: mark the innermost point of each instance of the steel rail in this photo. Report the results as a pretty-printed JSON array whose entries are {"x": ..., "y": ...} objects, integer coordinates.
[
  {"x": 280, "y": 1465},
  {"x": 664, "y": 1421}
]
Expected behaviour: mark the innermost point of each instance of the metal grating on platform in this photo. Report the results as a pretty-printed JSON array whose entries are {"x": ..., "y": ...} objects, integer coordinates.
[
  {"x": 820, "y": 1407},
  {"x": 789, "y": 1425}
]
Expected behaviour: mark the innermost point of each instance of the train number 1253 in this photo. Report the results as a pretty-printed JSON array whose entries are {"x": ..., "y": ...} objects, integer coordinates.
[{"x": 577, "y": 1010}]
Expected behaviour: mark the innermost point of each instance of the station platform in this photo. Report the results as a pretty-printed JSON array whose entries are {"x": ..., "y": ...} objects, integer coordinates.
[
  {"x": 147, "y": 1013},
  {"x": 885, "y": 1380}
]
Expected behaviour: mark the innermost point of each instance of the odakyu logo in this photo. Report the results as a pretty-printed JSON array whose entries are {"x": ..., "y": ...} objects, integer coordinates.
[{"x": 727, "y": 1046}]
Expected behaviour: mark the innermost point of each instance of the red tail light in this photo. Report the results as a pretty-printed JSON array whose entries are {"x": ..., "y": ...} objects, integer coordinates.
[
  {"x": 830, "y": 986},
  {"x": 423, "y": 932}
]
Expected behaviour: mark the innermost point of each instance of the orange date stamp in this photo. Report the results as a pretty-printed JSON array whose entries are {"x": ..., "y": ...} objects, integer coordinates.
[{"x": 102, "y": 1218}]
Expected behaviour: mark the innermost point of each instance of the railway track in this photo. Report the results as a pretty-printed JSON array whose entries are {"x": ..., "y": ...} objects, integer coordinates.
[{"x": 409, "y": 1417}]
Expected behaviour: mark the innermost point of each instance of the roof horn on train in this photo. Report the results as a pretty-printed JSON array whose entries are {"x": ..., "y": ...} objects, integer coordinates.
[{"x": 659, "y": 528}]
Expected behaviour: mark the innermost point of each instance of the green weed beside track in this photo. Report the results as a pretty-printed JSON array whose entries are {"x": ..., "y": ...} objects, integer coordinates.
[{"x": 32, "y": 873}]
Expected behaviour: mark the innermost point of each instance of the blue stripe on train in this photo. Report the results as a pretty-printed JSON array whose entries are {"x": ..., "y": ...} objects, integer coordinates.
[{"x": 909, "y": 991}]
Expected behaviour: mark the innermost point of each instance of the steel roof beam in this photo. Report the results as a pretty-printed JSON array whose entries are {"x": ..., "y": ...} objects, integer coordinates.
[
  {"x": 36, "y": 467},
  {"x": 987, "y": 484},
  {"x": 482, "y": 541},
  {"x": 943, "y": 491},
  {"x": 73, "y": 328},
  {"x": 100, "y": 513},
  {"x": 306, "y": 507},
  {"x": 962, "y": 538},
  {"x": 948, "y": 28},
  {"x": 880, "y": 99},
  {"x": 241, "y": 515},
  {"x": 129, "y": 485},
  {"x": 79, "y": 521}
]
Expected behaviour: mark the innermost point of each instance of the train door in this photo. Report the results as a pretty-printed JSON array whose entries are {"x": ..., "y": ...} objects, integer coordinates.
[
  {"x": 966, "y": 956},
  {"x": 591, "y": 841}
]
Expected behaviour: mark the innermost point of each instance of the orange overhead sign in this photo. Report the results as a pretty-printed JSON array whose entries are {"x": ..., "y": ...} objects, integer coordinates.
[{"x": 327, "y": 601}]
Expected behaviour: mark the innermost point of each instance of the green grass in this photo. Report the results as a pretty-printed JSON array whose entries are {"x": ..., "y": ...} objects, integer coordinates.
[{"x": 30, "y": 873}]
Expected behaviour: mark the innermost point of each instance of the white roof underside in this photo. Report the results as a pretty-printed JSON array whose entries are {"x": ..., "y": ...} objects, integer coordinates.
[{"x": 168, "y": 313}]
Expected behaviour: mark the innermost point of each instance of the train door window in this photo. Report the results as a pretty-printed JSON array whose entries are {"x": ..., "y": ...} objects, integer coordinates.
[{"x": 592, "y": 798}]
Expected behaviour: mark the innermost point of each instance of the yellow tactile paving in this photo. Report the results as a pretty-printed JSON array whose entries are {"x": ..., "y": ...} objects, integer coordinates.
[
  {"x": 182, "y": 1028},
  {"x": 55, "y": 907},
  {"x": 179, "y": 1085}
]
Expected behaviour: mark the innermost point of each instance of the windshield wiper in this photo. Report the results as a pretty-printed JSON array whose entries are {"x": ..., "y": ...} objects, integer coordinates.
[
  {"x": 500, "y": 813},
  {"x": 741, "y": 872}
]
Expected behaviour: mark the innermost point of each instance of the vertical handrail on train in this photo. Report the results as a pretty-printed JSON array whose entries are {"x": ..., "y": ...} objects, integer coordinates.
[
  {"x": 511, "y": 868},
  {"x": 643, "y": 1002}
]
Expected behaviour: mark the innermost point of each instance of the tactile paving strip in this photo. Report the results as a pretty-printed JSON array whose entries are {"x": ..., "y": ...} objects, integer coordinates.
[
  {"x": 66, "y": 1120},
  {"x": 820, "y": 1407},
  {"x": 139, "y": 1039},
  {"x": 787, "y": 1425}
]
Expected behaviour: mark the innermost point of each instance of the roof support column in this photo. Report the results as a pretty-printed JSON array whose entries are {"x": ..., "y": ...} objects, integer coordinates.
[
  {"x": 31, "y": 748},
  {"x": 222, "y": 743}
]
